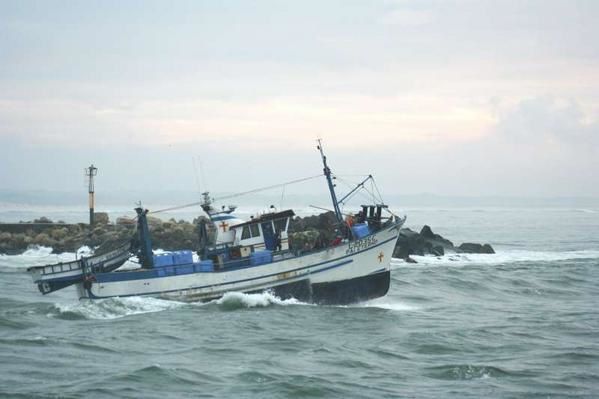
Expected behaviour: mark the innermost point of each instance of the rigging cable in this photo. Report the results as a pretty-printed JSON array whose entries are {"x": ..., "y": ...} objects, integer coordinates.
[
  {"x": 238, "y": 194},
  {"x": 195, "y": 173},
  {"x": 349, "y": 186},
  {"x": 377, "y": 190},
  {"x": 372, "y": 197},
  {"x": 363, "y": 187},
  {"x": 282, "y": 197}
]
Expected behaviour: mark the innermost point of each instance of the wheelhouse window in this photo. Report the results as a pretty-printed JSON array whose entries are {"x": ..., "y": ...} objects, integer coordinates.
[
  {"x": 280, "y": 225},
  {"x": 255, "y": 230},
  {"x": 245, "y": 233}
]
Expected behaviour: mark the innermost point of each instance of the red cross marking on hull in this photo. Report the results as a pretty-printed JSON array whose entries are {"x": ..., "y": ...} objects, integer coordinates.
[{"x": 224, "y": 226}]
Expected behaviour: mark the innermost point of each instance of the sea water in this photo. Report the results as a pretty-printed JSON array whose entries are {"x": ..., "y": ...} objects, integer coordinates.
[{"x": 521, "y": 323}]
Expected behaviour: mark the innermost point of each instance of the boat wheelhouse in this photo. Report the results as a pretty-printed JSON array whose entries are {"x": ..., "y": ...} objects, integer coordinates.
[{"x": 266, "y": 231}]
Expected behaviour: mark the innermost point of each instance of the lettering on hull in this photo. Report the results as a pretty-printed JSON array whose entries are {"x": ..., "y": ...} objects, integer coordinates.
[{"x": 361, "y": 244}]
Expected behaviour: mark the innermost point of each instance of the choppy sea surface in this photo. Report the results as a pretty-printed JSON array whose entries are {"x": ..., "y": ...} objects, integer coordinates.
[{"x": 523, "y": 323}]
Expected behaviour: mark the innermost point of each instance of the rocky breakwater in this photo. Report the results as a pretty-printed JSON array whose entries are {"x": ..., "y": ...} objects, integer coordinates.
[
  {"x": 61, "y": 237},
  {"x": 428, "y": 243},
  {"x": 15, "y": 238},
  {"x": 305, "y": 234},
  {"x": 318, "y": 230},
  {"x": 312, "y": 232}
]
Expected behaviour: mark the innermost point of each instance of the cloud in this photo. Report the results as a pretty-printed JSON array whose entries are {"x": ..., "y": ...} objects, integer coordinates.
[
  {"x": 392, "y": 84},
  {"x": 547, "y": 121},
  {"x": 407, "y": 17},
  {"x": 280, "y": 121}
]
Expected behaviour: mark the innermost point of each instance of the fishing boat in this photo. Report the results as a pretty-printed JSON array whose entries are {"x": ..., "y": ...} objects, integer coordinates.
[{"x": 247, "y": 256}]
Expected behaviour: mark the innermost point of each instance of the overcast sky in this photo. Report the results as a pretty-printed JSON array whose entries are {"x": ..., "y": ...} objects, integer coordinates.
[{"x": 466, "y": 98}]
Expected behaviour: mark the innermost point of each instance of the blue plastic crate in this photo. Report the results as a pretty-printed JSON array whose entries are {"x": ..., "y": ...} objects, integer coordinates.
[
  {"x": 233, "y": 264},
  {"x": 185, "y": 269},
  {"x": 260, "y": 257},
  {"x": 182, "y": 257},
  {"x": 204, "y": 266},
  {"x": 162, "y": 260}
]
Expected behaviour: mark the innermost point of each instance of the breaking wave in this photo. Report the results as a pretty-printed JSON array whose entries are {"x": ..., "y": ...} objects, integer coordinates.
[
  {"x": 585, "y": 210},
  {"x": 239, "y": 300},
  {"x": 37, "y": 251},
  {"x": 112, "y": 308},
  {"x": 40, "y": 251},
  {"x": 465, "y": 372},
  {"x": 499, "y": 258},
  {"x": 387, "y": 304},
  {"x": 115, "y": 308},
  {"x": 39, "y": 255}
]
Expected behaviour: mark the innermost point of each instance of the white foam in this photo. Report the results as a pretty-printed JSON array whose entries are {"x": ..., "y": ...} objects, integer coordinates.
[
  {"x": 85, "y": 251},
  {"x": 40, "y": 251},
  {"x": 587, "y": 210},
  {"x": 34, "y": 256},
  {"x": 37, "y": 251},
  {"x": 388, "y": 304},
  {"x": 115, "y": 308},
  {"x": 241, "y": 300},
  {"x": 501, "y": 257}
]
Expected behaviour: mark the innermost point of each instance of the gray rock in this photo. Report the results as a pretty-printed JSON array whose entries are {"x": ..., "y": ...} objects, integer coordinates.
[
  {"x": 101, "y": 218},
  {"x": 424, "y": 243},
  {"x": 438, "y": 250},
  {"x": 436, "y": 239},
  {"x": 474, "y": 248}
]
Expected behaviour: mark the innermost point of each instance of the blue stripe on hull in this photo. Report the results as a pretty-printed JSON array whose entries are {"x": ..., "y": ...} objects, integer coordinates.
[
  {"x": 343, "y": 292},
  {"x": 149, "y": 274},
  {"x": 92, "y": 296}
]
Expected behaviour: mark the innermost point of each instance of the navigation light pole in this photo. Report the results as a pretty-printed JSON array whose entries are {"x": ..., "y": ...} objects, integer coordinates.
[{"x": 90, "y": 173}]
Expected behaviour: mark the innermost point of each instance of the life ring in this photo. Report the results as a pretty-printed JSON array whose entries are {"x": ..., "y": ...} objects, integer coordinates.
[{"x": 87, "y": 284}]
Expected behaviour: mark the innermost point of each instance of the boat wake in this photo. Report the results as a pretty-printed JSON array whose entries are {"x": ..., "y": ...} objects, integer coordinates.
[
  {"x": 500, "y": 258},
  {"x": 112, "y": 308},
  {"x": 387, "y": 304},
  {"x": 115, "y": 308},
  {"x": 239, "y": 300}
]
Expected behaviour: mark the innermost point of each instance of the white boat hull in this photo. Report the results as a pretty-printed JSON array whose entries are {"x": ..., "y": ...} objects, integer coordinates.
[{"x": 350, "y": 272}]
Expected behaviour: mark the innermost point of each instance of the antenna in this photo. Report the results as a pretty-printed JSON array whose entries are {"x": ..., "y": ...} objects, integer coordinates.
[
  {"x": 90, "y": 173},
  {"x": 195, "y": 173},
  {"x": 202, "y": 175}
]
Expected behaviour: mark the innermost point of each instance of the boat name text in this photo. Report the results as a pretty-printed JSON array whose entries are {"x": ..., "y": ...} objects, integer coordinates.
[{"x": 359, "y": 245}]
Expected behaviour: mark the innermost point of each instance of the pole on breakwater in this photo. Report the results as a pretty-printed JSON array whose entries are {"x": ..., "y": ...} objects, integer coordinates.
[{"x": 90, "y": 173}]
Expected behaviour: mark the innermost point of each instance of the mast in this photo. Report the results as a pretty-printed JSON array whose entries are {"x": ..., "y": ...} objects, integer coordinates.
[
  {"x": 327, "y": 173},
  {"x": 145, "y": 254}
]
